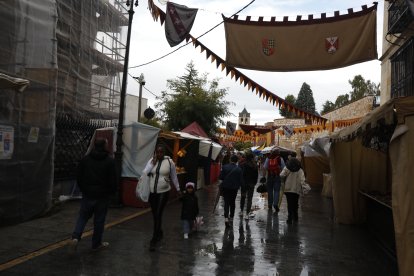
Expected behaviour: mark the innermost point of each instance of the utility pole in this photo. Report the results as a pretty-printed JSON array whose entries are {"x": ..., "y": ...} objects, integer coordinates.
[{"x": 141, "y": 81}]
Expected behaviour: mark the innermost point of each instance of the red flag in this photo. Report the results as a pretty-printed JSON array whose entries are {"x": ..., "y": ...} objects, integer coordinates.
[{"x": 178, "y": 22}]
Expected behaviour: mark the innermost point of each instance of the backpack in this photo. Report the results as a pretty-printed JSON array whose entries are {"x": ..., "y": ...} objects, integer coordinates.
[{"x": 274, "y": 166}]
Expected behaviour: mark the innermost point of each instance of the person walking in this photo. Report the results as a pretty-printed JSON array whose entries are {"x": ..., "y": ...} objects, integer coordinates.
[
  {"x": 96, "y": 178},
  {"x": 294, "y": 179},
  {"x": 161, "y": 171},
  {"x": 189, "y": 210},
  {"x": 250, "y": 176},
  {"x": 274, "y": 164},
  {"x": 231, "y": 176}
]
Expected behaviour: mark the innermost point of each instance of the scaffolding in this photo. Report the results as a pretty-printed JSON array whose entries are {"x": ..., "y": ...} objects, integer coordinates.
[
  {"x": 83, "y": 40},
  {"x": 72, "y": 53},
  {"x": 91, "y": 50}
]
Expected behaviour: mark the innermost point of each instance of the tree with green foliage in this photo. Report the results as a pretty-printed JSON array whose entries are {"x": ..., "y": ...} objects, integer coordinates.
[
  {"x": 192, "y": 97},
  {"x": 341, "y": 100},
  {"x": 362, "y": 88},
  {"x": 155, "y": 122},
  {"x": 305, "y": 99},
  {"x": 327, "y": 107},
  {"x": 242, "y": 146},
  {"x": 284, "y": 112}
]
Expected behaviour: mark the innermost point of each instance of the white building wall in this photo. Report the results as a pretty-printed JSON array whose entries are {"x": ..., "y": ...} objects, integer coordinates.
[{"x": 131, "y": 108}]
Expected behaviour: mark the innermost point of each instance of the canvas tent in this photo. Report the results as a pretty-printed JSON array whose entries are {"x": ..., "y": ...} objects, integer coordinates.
[
  {"x": 357, "y": 166},
  {"x": 315, "y": 161},
  {"x": 204, "y": 146},
  {"x": 139, "y": 141},
  {"x": 195, "y": 129}
]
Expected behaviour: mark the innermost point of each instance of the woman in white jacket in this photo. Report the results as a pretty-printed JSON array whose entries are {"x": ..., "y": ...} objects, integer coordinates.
[
  {"x": 161, "y": 171},
  {"x": 294, "y": 180}
]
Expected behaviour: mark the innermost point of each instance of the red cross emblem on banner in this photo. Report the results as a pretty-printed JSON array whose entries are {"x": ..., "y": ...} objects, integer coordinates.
[
  {"x": 331, "y": 44},
  {"x": 268, "y": 46}
]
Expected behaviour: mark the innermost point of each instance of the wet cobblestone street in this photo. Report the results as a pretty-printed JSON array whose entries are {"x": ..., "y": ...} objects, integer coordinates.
[{"x": 263, "y": 245}]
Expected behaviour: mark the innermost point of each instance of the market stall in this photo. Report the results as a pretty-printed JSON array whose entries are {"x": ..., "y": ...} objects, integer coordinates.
[
  {"x": 371, "y": 168},
  {"x": 315, "y": 161}
]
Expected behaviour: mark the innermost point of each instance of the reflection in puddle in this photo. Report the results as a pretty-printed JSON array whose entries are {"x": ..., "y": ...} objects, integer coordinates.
[
  {"x": 304, "y": 271},
  {"x": 210, "y": 250}
]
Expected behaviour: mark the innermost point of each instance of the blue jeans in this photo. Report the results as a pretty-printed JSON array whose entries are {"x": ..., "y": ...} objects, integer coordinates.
[
  {"x": 98, "y": 208},
  {"x": 187, "y": 225},
  {"x": 273, "y": 190}
]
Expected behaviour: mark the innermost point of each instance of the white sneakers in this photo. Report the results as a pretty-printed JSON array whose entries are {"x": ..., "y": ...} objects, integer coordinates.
[
  {"x": 101, "y": 246},
  {"x": 73, "y": 245},
  {"x": 186, "y": 236}
]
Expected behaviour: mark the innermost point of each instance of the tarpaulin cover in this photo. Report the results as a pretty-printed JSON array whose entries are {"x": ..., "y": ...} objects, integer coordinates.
[
  {"x": 27, "y": 107},
  {"x": 71, "y": 53},
  {"x": 139, "y": 141}
]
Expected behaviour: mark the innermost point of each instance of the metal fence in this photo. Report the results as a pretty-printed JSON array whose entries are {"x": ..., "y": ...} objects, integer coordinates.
[{"x": 73, "y": 135}]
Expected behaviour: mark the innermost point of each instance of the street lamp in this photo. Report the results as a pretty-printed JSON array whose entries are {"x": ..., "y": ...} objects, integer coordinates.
[{"x": 119, "y": 143}]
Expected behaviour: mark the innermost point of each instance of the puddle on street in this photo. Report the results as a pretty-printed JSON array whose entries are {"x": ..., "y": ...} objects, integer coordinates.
[{"x": 210, "y": 250}]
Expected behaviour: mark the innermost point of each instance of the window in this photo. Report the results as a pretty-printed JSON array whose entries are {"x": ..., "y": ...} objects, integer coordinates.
[{"x": 402, "y": 71}]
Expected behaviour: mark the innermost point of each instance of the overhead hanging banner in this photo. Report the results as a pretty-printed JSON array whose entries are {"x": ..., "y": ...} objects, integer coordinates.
[
  {"x": 178, "y": 22},
  {"x": 302, "y": 45}
]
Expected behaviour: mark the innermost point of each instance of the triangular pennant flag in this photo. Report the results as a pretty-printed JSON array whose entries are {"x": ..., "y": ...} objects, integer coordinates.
[{"x": 178, "y": 22}]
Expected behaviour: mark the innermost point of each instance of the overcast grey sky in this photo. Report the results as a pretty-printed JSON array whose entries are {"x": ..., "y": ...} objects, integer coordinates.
[{"x": 148, "y": 42}]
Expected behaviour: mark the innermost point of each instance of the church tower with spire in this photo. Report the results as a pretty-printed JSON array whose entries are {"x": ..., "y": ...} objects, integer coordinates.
[{"x": 244, "y": 118}]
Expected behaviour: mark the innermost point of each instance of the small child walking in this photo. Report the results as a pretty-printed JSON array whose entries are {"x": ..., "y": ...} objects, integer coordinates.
[{"x": 189, "y": 209}]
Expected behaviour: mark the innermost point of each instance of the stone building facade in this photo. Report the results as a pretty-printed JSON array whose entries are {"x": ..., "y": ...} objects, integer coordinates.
[
  {"x": 353, "y": 110},
  {"x": 356, "y": 109}
]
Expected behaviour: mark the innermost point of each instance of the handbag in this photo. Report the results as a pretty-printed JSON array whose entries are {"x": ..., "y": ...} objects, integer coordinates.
[
  {"x": 142, "y": 190},
  {"x": 261, "y": 188}
]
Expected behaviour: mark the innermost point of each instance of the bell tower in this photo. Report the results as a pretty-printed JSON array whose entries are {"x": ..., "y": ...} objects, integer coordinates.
[{"x": 244, "y": 118}]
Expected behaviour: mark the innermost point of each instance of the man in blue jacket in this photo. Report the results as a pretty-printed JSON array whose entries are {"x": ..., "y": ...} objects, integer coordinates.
[
  {"x": 97, "y": 181},
  {"x": 231, "y": 176}
]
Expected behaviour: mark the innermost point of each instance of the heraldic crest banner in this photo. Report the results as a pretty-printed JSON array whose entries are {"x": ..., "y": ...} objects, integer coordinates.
[{"x": 303, "y": 45}]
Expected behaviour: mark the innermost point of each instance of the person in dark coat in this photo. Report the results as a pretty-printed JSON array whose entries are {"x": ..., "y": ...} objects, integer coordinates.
[
  {"x": 96, "y": 179},
  {"x": 231, "y": 176},
  {"x": 250, "y": 175},
  {"x": 189, "y": 210}
]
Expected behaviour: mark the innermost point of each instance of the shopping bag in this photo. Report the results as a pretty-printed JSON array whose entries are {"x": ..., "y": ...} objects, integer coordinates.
[
  {"x": 306, "y": 188},
  {"x": 142, "y": 191},
  {"x": 197, "y": 223}
]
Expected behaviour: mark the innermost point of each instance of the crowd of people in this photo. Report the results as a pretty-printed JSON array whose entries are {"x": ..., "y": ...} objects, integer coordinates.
[
  {"x": 241, "y": 171},
  {"x": 245, "y": 170}
]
